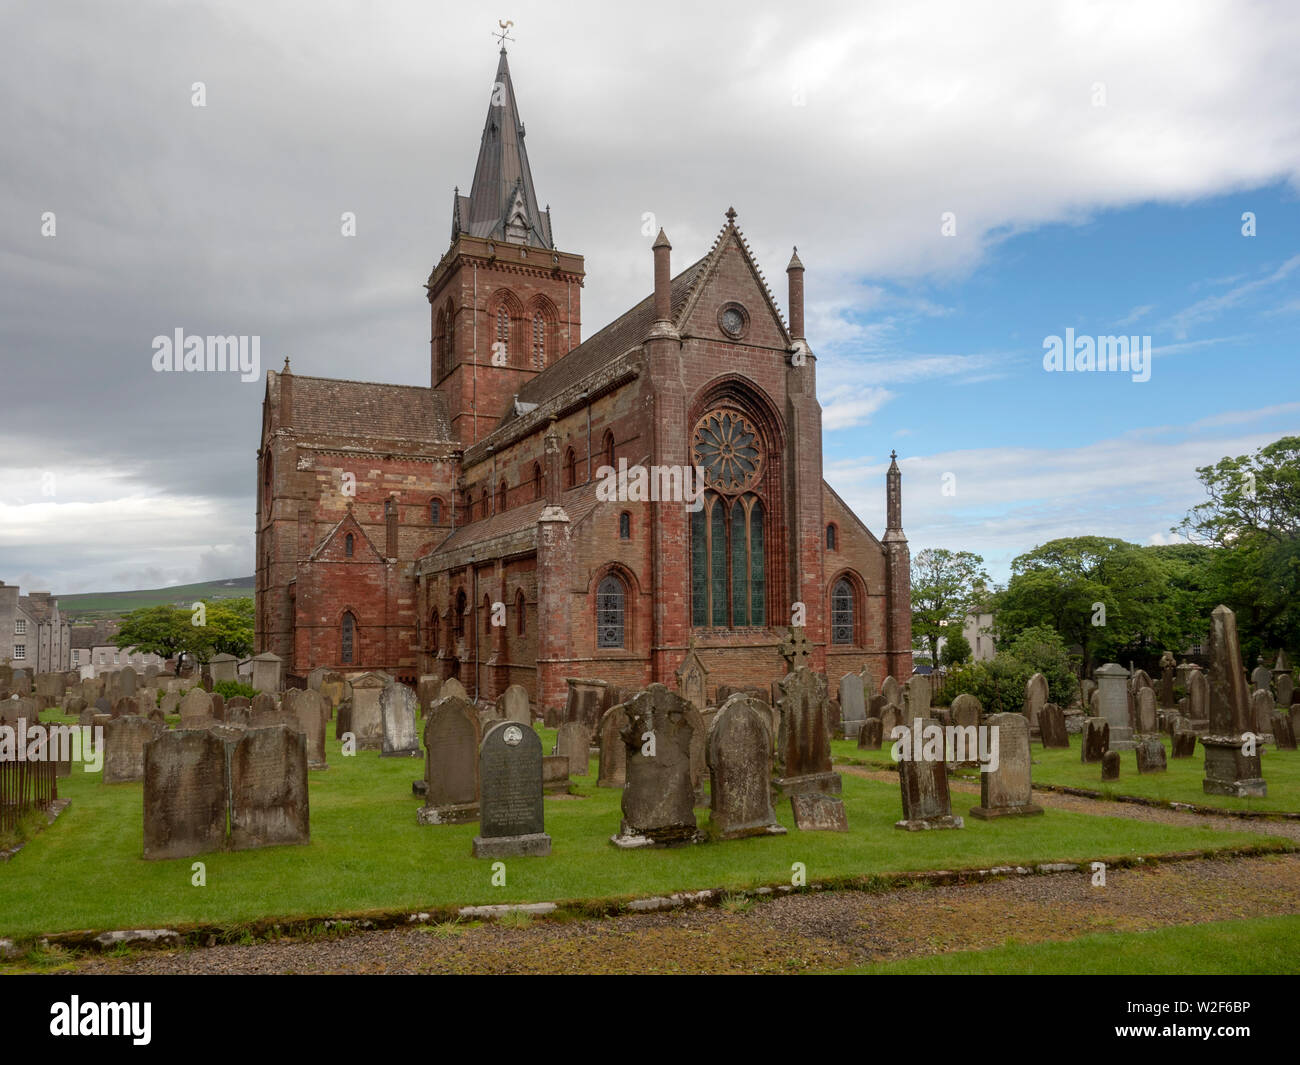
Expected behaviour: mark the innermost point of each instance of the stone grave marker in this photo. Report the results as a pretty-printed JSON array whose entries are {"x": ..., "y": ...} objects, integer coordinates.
[
  {"x": 124, "y": 742},
  {"x": 366, "y": 722},
  {"x": 511, "y": 811},
  {"x": 853, "y": 708},
  {"x": 1228, "y": 770},
  {"x": 1151, "y": 756},
  {"x": 1035, "y": 699},
  {"x": 1051, "y": 727},
  {"x": 1007, "y": 791},
  {"x": 268, "y": 788},
  {"x": 869, "y": 736},
  {"x": 613, "y": 752},
  {"x": 1110, "y": 766},
  {"x": 1261, "y": 710},
  {"x": 817, "y": 812},
  {"x": 659, "y": 798},
  {"x": 451, "y": 740},
  {"x": 1146, "y": 711},
  {"x": 512, "y": 705},
  {"x": 739, "y": 756},
  {"x": 195, "y": 709},
  {"x": 1283, "y": 735},
  {"x": 803, "y": 746},
  {"x": 1096, "y": 739},
  {"x": 1184, "y": 743},
  {"x": 185, "y": 787},
  {"x": 311, "y": 710},
  {"x": 224, "y": 667},
  {"x": 427, "y": 690},
  {"x": 1168, "y": 666},
  {"x": 924, "y": 786},
  {"x": 693, "y": 679},
  {"x": 555, "y": 774},
  {"x": 573, "y": 742},
  {"x": 1261, "y": 677},
  {"x": 586, "y": 702},
  {"x": 266, "y": 672},
  {"x": 1112, "y": 688},
  {"x": 1198, "y": 697},
  {"x": 452, "y": 689},
  {"x": 399, "y": 713}
]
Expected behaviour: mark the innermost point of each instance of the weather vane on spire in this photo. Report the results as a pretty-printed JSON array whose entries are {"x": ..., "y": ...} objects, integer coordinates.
[{"x": 504, "y": 35}]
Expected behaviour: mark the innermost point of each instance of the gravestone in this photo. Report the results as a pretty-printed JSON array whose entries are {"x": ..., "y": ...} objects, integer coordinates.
[
  {"x": 1228, "y": 769},
  {"x": 366, "y": 722},
  {"x": 1146, "y": 711},
  {"x": 126, "y": 682},
  {"x": 171, "y": 703},
  {"x": 853, "y": 708},
  {"x": 266, "y": 672},
  {"x": 586, "y": 702},
  {"x": 1261, "y": 710},
  {"x": 74, "y": 704},
  {"x": 512, "y": 705},
  {"x": 890, "y": 718},
  {"x": 890, "y": 689},
  {"x": 268, "y": 788},
  {"x": 1285, "y": 690},
  {"x": 739, "y": 755},
  {"x": 452, "y": 689},
  {"x": 1283, "y": 735},
  {"x": 399, "y": 713},
  {"x": 224, "y": 667},
  {"x": 126, "y": 706},
  {"x": 195, "y": 709},
  {"x": 317, "y": 677},
  {"x": 1035, "y": 699},
  {"x": 555, "y": 775},
  {"x": 1096, "y": 739},
  {"x": 427, "y": 691},
  {"x": 613, "y": 753},
  {"x": 311, "y": 710},
  {"x": 1051, "y": 727},
  {"x": 184, "y": 794},
  {"x": 336, "y": 690},
  {"x": 1094, "y": 703},
  {"x": 869, "y": 736},
  {"x": 1168, "y": 666},
  {"x": 816, "y": 812},
  {"x": 803, "y": 746},
  {"x": 124, "y": 742},
  {"x": 263, "y": 703},
  {"x": 1261, "y": 677},
  {"x": 574, "y": 743},
  {"x": 1151, "y": 756},
  {"x": 796, "y": 649},
  {"x": 924, "y": 785},
  {"x": 451, "y": 740},
  {"x": 1110, "y": 766},
  {"x": 1112, "y": 689},
  {"x": 693, "y": 679},
  {"x": 1198, "y": 697},
  {"x": 511, "y": 811},
  {"x": 659, "y": 798},
  {"x": 918, "y": 687},
  {"x": 966, "y": 710},
  {"x": 1007, "y": 790},
  {"x": 1184, "y": 743}
]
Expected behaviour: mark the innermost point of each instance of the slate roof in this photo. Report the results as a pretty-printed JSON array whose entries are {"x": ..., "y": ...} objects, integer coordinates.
[
  {"x": 99, "y": 634},
  {"x": 358, "y": 408},
  {"x": 577, "y": 503}
]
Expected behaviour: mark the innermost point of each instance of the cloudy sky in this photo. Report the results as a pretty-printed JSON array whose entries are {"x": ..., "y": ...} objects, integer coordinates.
[{"x": 963, "y": 180}]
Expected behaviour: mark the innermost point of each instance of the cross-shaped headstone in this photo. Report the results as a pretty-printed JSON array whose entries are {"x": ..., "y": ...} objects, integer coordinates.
[{"x": 795, "y": 648}]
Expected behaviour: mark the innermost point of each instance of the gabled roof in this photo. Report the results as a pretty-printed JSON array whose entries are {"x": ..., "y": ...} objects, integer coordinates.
[
  {"x": 348, "y": 519},
  {"x": 502, "y": 204}
]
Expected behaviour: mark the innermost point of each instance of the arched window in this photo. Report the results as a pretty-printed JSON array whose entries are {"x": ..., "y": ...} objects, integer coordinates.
[
  {"x": 537, "y": 481},
  {"x": 519, "y": 612},
  {"x": 449, "y": 345},
  {"x": 266, "y": 483},
  {"x": 458, "y": 620},
  {"x": 389, "y": 507},
  {"x": 607, "y": 448},
  {"x": 501, "y": 496},
  {"x": 831, "y": 537},
  {"x": 440, "y": 345},
  {"x": 610, "y": 596},
  {"x": 539, "y": 341},
  {"x": 484, "y": 504},
  {"x": 570, "y": 468},
  {"x": 625, "y": 526},
  {"x": 347, "y": 638},
  {"x": 503, "y": 335},
  {"x": 469, "y": 505},
  {"x": 435, "y": 511},
  {"x": 728, "y": 565},
  {"x": 433, "y": 631},
  {"x": 842, "y": 611},
  {"x": 348, "y": 544}
]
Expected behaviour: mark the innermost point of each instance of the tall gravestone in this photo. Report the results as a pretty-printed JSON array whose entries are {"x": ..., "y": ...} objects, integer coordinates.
[
  {"x": 739, "y": 755},
  {"x": 1261, "y": 677},
  {"x": 1229, "y": 769},
  {"x": 587, "y": 700},
  {"x": 573, "y": 742},
  {"x": 512, "y": 705},
  {"x": 195, "y": 708},
  {"x": 613, "y": 753},
  {"x": 268, "y": 789},
  {"x": 659, "y": 799},
  {"x": 1007, "y": 790},
  {"x": 451, "y": 740},
  {"x": 1051, "y": 727},
  {"x": 1145, "y": 699},
  {"x": 512, "y": 820},
  {"x": 1198, "y": 698},
  {"x": 923, "y": 782},
  {"x": 1095, "y": 741},
  {"x": 890, "y": 689},
  {"x": 1035, "y": 699},
  {"x": 918, "y": 689},
  {"x": 224, "y": 667},
  {"x": 266, "y": 672},
  {"x": 1113, "y": 698},
  {"x": 427, "y": 690},
  {"x": 185, "y": 789},
  {"x": 311, "y": 711},
  {"x": 1261, "y": 711},
  {"x": 366, "y": 720},
  {"x": 803, "y": 745},
  {"x": 853, "y": 707},
  {"x": 399, "y": 716},
  {"x": 1168, "y": 666},
  {"x": 124, "y": 743}
]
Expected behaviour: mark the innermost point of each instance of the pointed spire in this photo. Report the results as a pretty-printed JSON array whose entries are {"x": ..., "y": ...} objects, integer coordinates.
[
  {"x": 502, "y": 204},
  {"x": 893, "y": 499}
]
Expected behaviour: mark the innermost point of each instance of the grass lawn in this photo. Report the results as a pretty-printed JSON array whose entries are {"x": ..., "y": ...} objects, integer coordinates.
[
  {"x": 1253, "y": 945},
  {"x": 1181, "y": 782},
  {"x": 367, "y": 853}
]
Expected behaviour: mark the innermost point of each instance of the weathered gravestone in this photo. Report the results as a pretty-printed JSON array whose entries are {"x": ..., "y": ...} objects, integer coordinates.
[
  {"x": 1151, "y": 756},
  {"x": 126, "y": 706},
  {"x": 125, "y": 682},
  {"x": 869, "y": 735},
  {"x": 1096, "y": 739},
  {"x": 586, "y": 702},
  {"x": 1198, "y": 698},
  {"x": 452, "y": 689},
  {"x": 336, "y": 690},
  {"x": 1035, "y": 699},
  {"x": 1112, "y": 689},
  {"x": 890, "y": 689},
  {"x": 1168, "y": 666},
  {"x": 268, "y": 788},
  {"x": 693, "y": 679},
  {"x": 573, "y": 742},
  {"x": 816, "y": 812},
  {"x": 195, "y": 709},
  {"x": 923, "y": 781},
  {"x": 124, "y": 743},
  {"x": 1110, "y": 766},
  {"x": 803, "y": 745},
  {"x": 224, "y": 667},
  {"x": 366, "y": 721},
  {"x": 1261, "y": 677},
  {"x": 266, "y": 672},
  {"x": 427, "y": 691},
  {"x": 1283, "y": 735},
  {"x": 739, "y": 755},
  {"x": 613, "y": 753},
  {"x": 263, "y": 703},
  {"x": 1051, "y": 727},
  {"x": 1285, "y": 691},
  {"x": 1261, "y": 710},
  {"x": 511, "y": 811},
  {"x": 1146, "y": 711},
  {"x": 512, "y": 705},
  {"x": 185, "y": 792},
  {"x": 311, "y": 710},
  {"x": 853, "y": 707},
  {"x": 451, "y": 740},
  {"x": 659, "y": 799},
  {"x": 1006, "y": 789},
  {"x": 171, "y": 704},
  {"x": 555, "y": 775},
  {"x": 1184, "y": 743},
  {"x": 399, "y": 713},
  {"x": 1229, "y": 770},
  {"x": 918, "y": 689}
]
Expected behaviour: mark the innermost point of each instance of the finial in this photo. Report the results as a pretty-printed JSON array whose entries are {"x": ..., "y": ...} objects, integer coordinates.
[
  {"x": 893, "y": 454},
  {"x": 504, "y": 35},
  {"x": 731, "y": 215},
  {"x": 286, "y": 364}
]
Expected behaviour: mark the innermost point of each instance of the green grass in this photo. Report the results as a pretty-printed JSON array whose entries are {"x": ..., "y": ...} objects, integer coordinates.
[
  {"x": 1253, "y": 945},
  {"x": 367, "y": 853}
]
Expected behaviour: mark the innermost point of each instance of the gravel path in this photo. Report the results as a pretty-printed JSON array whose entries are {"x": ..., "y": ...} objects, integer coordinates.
[{"x": 785, "y": 934}]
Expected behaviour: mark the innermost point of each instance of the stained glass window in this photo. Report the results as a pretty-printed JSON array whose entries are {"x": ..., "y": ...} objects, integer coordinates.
[
  {"x": 728, "y": 578},
  {"x": 349, "y": 627},
  {"x": 625, "y": 526},
  {"x": 348, "y": 544},
  {"x": 727, "y": 447},
  {"x": 609, "y": 612},
  {"x": 842, "y": 612},
  {"x": 539, "y": 341}
]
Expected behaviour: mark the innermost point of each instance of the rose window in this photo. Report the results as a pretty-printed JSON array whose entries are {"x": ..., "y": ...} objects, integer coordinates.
[{"x": 726, "y": 446}]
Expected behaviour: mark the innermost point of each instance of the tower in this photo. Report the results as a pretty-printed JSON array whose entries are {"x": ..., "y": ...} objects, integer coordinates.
[{"x": 504, "y": 302}]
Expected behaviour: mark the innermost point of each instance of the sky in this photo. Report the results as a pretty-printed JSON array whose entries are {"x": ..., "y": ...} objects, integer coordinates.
[{"x": 964, "y": 181}]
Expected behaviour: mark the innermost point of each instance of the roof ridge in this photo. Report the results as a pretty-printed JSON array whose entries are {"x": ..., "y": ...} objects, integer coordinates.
[{"x": 354, "y": 381}]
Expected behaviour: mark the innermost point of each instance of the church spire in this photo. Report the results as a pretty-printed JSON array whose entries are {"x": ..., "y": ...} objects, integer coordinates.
[{"x": 502, "y": 204}]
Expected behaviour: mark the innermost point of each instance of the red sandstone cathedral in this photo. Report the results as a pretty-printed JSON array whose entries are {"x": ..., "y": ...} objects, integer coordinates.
[{"x": 460, "y": 530}]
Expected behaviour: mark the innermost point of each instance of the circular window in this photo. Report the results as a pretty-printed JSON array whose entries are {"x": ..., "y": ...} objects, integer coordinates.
[
  {"x": 726, "y": 446},
  {"x": 733, "y": 320}
]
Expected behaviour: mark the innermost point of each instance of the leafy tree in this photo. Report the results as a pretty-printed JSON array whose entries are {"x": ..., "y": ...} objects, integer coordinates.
[
  {"x": 170, "y": 631},
  {"x": 158, "y": 630},
  {"x": 956, "y": 650},
  {"x": 945, "y": 585},
  {"x": 1043, "y": 651}
]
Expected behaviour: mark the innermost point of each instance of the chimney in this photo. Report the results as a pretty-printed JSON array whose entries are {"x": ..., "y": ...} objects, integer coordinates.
[
  {"x": 663, "y": 278},
  {"x": 552, "y": 465},
  {"x": 794, "y": 274},
  {"x": 286, "y": 396}
]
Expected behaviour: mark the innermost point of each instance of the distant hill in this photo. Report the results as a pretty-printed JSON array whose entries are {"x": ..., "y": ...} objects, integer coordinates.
[{"x": 91, "y": 605}]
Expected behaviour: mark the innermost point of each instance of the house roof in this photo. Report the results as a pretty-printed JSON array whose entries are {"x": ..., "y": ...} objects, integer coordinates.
[
  {"x": 359, "y": 408},
  {"x": 577, "y": 502}
]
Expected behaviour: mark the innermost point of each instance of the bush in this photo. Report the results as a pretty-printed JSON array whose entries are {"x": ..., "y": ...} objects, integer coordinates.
[
  {"x": 1043, "y": 651},
  {"x": 999, "y": 684},
  {"x": 228, "y": 689},
  {"x": 956, "y": 649}
]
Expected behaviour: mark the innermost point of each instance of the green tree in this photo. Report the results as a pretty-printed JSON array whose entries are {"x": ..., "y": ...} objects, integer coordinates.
[
  {"x": 956, "y": 650},
  {"x": 1043, "y": 651},
  {"x": 159, "y": 630},
  {"x": 945, "y": 585},
  {"x": 171, "y": 631}
]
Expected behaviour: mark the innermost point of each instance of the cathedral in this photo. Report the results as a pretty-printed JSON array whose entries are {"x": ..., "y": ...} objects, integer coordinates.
[{"x": 473, "y": 528}]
